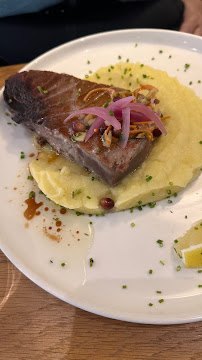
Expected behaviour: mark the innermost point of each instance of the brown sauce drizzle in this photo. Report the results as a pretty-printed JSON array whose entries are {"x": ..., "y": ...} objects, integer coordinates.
[
  {"x": 51, "y": 236},
  {"x": 31, "y": 155},
  {"x": 52, "y": 157},
  {"x": 58, "y": 223},
  {"x": 63, "y": 211},
  {"x": 32, "y": 207}
]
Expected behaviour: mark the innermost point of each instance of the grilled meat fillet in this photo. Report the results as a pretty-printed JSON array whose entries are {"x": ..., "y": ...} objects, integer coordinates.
[{"x": 42, "y": 100}]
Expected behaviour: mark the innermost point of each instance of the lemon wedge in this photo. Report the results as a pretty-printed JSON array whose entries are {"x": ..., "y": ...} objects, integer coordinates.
[{"x": 189, "y": 246}]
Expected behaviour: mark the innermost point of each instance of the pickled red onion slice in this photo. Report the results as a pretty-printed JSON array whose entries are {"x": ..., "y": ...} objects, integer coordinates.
[
  {"x": 134, "y": 116},
  {"x": 126, "y": 125},
  {"x": 121, "y": 103},
  {"x": 101, "y": 112},
  {"x": 96, "y": 125},
  {"x": 150, "y": 114}
]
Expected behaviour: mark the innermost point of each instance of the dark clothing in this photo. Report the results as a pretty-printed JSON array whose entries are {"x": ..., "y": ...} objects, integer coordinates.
[{"x": 23, "y": 37}]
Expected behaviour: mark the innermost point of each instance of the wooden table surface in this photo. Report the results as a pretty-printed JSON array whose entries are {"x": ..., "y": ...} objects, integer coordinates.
[{"x": 36, "y": 325}]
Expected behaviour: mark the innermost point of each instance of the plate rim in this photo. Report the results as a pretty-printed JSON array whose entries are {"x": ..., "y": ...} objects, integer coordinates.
[{"x": 32, "y": 275}]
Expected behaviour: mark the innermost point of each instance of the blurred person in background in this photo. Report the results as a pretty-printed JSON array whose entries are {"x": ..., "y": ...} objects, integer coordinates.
[{"x": 30, "y": 27}]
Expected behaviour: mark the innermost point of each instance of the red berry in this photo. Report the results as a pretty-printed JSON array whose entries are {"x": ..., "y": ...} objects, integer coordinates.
[{"x": 107, "y": 203}]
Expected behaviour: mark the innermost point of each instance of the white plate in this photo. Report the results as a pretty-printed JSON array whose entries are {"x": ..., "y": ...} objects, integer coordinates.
[{"x": 122, "y": 254}]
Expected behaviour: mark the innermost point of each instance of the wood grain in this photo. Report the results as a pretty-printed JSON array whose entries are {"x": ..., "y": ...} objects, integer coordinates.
[{"x": 36, "y": 325}]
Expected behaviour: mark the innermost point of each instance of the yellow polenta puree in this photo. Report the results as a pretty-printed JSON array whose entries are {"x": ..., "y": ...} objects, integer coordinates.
[
  {"x": 175, "y": 160},
  {"x": 189, "y": 246}
]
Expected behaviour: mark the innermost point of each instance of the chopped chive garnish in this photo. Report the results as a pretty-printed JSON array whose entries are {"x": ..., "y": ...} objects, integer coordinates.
[
  {"x": 159, "y": 292},
  {"x": 160, "y": 242},
  {"x": 78, "y": 213},
  {"x": 186, "y": 66},
  {"x": 178, "y": 268},
  {"x": 31, "y": 194},
  {"x": 63, "y": 264},
  {"x": 150, "y": 304},
  {"x": 91, "y": 262},
  {"x": 124, "y": 286},
  {"x": 30, "y": 177},
  {"x": 176, "y": 241},
  {"x": 41, "y": 90},
  {"x": 161, "y": 301},
  {"x": 132, "y": 224},
  {"x": 76, "y": 192},
  {"x": 148, "y": 178},
  {"x": 107, "y": 104},
  {"x": 152, "y": 205},
  {"x": 150, "y": 271}
]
